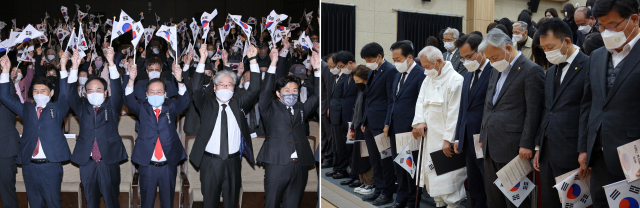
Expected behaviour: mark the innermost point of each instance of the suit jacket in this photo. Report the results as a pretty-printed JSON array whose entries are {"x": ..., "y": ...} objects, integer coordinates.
[
  {"x": 457, "y": 64},
  {"x": 514, "y": 120},
  {"x": 349, "y": 95},
  {"x": 327, "y": 88},
  {"x": 561, "y": 111},
  {"x": 208, "y": 105},
  {"x": 47, "y": 127},
  {"x": 284, "y": 136},
  {"x": 613, "y": 115},
  {"x": 402, "y": 109},
  {"x": 140, "y": 87},
  {"x": 335, "y": 106},
  {"x": 472, "y": 108},
  {"x": 379, "y": 96},
  {"x": 151, "y": 129},
  {"x": 101, "y": 126},
  {"x": 10, "y": 135}
]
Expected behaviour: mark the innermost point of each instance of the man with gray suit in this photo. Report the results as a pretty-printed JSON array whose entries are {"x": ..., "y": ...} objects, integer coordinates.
[
  {"x": 512, "y": 110},
  {"x": 609, "y": 112},
  {"x": 453, "y": 54}
]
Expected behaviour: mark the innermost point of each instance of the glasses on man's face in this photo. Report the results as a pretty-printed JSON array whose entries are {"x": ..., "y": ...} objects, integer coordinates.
[
  {"x": 469, "y": 57},
  {"x": 225, "y": 86},
  {"x": 611, "y": 27},
  {"x": 516, "y": 32}
]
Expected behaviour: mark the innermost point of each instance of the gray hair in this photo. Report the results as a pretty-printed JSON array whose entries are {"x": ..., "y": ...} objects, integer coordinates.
[
  {"x": 521, "y": 24},
  {"x": 453, "y": 32},
  {"x": 496, "y": 38},
  {"x": 432, "y": 54},
  {"x": 225, "y": 73}
]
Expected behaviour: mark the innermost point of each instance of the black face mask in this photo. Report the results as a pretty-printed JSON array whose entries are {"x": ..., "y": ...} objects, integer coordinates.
[
  {"x": 262, "y": 57},
  {"x": 207, "y": 79},
  {"x": 361, "y": 86}
]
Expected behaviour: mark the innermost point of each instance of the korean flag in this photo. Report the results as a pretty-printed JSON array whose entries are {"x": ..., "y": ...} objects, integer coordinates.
[
  {"x": 574, "y": 192},
  {"x": 405, "y": 160},
  {"x": 518, "y": 193},
  {"x": 623, "y": 194}
]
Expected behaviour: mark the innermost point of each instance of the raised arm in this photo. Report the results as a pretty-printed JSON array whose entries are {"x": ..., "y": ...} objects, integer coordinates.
[
  {"x": 73, "y": 98},
  {"x": 314, "y": 100},
  {"x": 196, "y": 82},
  {"x": 267, "y": 94},
  {"x": 11, "y": 102},
  {"x": 129, "y": 96},
  {"x": 114, "y": 84},
  {"x": 183, "y": 96},
  {"x": 249, "y": 98},
  {"x": 63, "y": 106}
]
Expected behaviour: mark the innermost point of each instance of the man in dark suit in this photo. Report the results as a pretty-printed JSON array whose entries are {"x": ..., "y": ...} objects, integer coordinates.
[
  {"x": 474, "y": 92},
  {"x": 8, "y": 152},
  {"x": 453, "y": 54},
  {"x": 222, "y": 140},
  {"x": 609, "y": 115},
  {"x": 328, "y": 79},
  {"x": 153, "y": 65},
  {"x": 587, "y": 24},
  {"x": 98, "y": 159},
  {"x": 286, "y": 152},
  {"x": 405, "y": 90},
  {"x": 379, "y": 97},
  {"x": 512, "y": 110},
  {"x": 557, "y": 140},
  {"x": 42, "y": 146},
  {"x": 158, "y": 149}
]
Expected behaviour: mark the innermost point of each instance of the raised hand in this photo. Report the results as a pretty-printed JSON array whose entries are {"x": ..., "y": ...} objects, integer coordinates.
[
  {"x": 39, "y": 50},
  {"x": 5, "y": 64},
  {"x": 109, "y": 55},
  {"x": 274, "y": 56},
  {"x": 203, "y": 53},
  {"x": 252, "y": 51},
  {"x": 285, "y": 44},
  {"x": 240, "y": 69},
  {"x": 187, "y": 60},
  {"x": 133, "y": 72},
  {"x": 75, "y": 60},
  {"x": 63, "y": 61},
  {"x": 177, "y": 71},
  {"x": 225, "y": 57},
  {"x": 315, "y": 61}
]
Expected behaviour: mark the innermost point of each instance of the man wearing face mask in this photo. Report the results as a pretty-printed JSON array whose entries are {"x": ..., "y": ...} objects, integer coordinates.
[
  {"x": 224, "y": 135},
  {"x": 610, "y": 91},
  {"x": 286, "y": 152},
  {"x": 99, "y": 148},
  {"x": 158, "y": 149},
  {"x": 437, "y": 109},
  {"x": 154, "y": 70},
  {"x": 512, "y": 110},
  {"x": 335, "y": 108},
  {"x": 379, "y": 98},
  {"x": 328, "y": 79},
  {"x": 406, "y": 86},
  {"x": 453, "y": 55},
  {"x": 82, "y": 78},
  {"x": 472, "y": 100},
  {"x": 557, "y": 140},
  {"x": 42, "y": 146},
  {"x": 587, "y": 24},
  {"x": 9, "y": 148},
  {"x": 520, "y": 36}
]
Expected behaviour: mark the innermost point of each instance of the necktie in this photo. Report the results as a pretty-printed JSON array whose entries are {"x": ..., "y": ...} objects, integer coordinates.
[
  {"x": 556, "y": 79},
  {"x": 224, "y": 134},
  {"x": 475, "y": 80},
  {"x": 35, "y": 151},
  {"x": 290, "y": 109},
  {"x": 337, "y": 77},
  {"x": 404, "y": 74},
  {"x": 158, "y": 150},
  {"x": 95, "y": 152}
]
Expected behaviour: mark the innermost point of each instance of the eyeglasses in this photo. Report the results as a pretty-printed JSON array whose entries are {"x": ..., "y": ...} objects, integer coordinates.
[
  {"x": 225, "y": 85},
  {"x": 465, "y": 59},
  {"x": 611, "y": 28}
]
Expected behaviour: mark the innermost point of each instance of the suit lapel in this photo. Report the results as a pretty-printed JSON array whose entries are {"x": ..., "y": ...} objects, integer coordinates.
[
  {"x": 628, "y": 65},
  {"x": 236, "y": 111},
  {"x": 550, "y": 86},
  {"x": 379, "y": 72},
  {"x": 348, "y": 84},
  {"x": 408, "y": 80},
  {"x": 484, "y": 77},
  {"x": 493, "y": 83},
  {"x": 571, "y": 72},
  {"x": 152, "y": 113},
  {"x": 513, "y": 73},
  {"x": 465, "y": 90},
  {"x": 603, "y": 73},
  {"x": 335, "y": 85}
]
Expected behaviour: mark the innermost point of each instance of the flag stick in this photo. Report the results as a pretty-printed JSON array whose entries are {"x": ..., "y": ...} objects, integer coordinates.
[
  {"x": 112, "y": 28},
  {"x": 419, "y": 170}
]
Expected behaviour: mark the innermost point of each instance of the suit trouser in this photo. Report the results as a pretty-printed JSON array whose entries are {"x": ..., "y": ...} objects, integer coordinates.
[
  {"x": 548, "y": 173},
  {"x": 406, "y": 192},
  {"x": 327, "y": 139},
  {"x": 341, "y": 153},
  {"x": 284, "y": 184},
  {"x": 495, "y": 197},
  {"x": 600, "y": 176},
  {"x": 101, "y": 180},
  {"x": 475, "y": 175},
  {"x": 43, "y": 183},
  {"x": 8, "y": 171},
  {"x": 220, "y": 176},
  {"x": 152, "y": 177},
  {"x": 383, "y": 171}
]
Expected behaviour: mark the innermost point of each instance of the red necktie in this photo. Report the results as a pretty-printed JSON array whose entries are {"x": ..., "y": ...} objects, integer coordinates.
[
  {"x": 35, "y": 151},
  {"x": 95, "y": 152},
  {"x": 158, "y": 152}
]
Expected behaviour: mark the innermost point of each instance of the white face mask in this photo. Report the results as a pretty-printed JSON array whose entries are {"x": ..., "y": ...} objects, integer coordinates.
[
  {"x": 156, "y": 50},
  {"x": 334, "y": 70},
  {"x": 41, "y": 100},
  {"x": 516, "y": 38},
  {"x": 154, "y": 74},
  {"x": 246, "y": 85},
  {"x": 346, "y": 70},
  {"x": 210, "y": 53},
  {"x": 95, "y": 98},
  {"x": 613, "y": 40},
  {"x": 565, "y": 14},
  {"x": 402, "y": 66},
  {"x": 585, "y": 29},
  {"x": 589, "y": 7},
  {"x": 449, "y": 46},
  {"x": 18, "y": 77},
  {"x": 224, "y": 95},
  {"x": 51, "y": 57},
  {"x": 373, "y": 66},
  {"x": 502, "y": 64},
  {"x": 431, "y": 73},
  {"x": 82, "y": 80},
  {"x": 471, "y": 65},
  {"x": 555, "y": 56}
]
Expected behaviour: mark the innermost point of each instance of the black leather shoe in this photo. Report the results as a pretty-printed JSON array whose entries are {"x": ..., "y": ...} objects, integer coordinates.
[
  {"x": 396, "y": 205},
  {"x": 370, "y": 197},
  {"x": 382, "y": 200},
  {"x": 355, "y": 184},
  {"x": 340, "y": 175},
  {"x": 326, "y": 165},
  {"x": 347, "y": 182},
  {"x": 330, "y": 173}
]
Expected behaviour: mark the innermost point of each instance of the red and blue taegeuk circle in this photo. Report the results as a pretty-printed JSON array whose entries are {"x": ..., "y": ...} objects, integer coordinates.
[
  {"x": 515, "y": 188},
  {"x": 574, "y": 191},
  {"x": 628, "y": 202}
]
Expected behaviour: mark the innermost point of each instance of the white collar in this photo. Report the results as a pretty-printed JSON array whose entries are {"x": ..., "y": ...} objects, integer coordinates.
[
  {"x": 514, "y": 59},
  {"x": 628, "y": 47},
  {"x": 573, "y": 56},
  {"x": 411, "y": 67},
  {"x": 486, "y": 61}
]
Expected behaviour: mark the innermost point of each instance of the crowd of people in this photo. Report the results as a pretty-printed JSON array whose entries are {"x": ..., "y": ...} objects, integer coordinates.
[
  {"x": 559, "y": 92},
  {"x": 231, "y": 87}
]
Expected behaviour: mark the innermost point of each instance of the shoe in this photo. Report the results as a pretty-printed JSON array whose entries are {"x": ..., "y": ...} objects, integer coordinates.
[
  {"x": 347, "y": 182},
  {"x": 355, "y": 184},
  {"x": 369, "y": 197},
  {"x": 330, "y": 173},
  {"x": 340, "y": 175},
  {"x": 368, "y": 190},
  {"x": 326, "y": 165},
  {"x": 382, "y": 200},
  {"x": 357, "y": 190},
  {"x": 396, "y": 205}
]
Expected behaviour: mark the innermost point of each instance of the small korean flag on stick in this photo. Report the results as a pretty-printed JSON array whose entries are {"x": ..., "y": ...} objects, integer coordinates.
[
  {"x": 623, "y": 194},
  {"x": 405, "y": 160},
  {"x": 65, "y": 14},
  {"x": 27, "y": 34},
  {"x": 574, "y": 192},
  {"x": 518, "y": 193},
  {"x": 204, "y": 20}
]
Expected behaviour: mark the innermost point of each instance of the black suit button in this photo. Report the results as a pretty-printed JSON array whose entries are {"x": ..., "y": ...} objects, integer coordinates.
[
  {"x": 290, "y": 141},
  {"x": 551, "y": 112},
  {"x": 291, "y": 129}
]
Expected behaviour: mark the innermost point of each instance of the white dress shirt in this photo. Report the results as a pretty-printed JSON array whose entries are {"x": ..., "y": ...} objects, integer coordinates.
[
  {"x": 618, "y": 57},
  {"x": 503, "y": 77},
  {"x": 295, "y": 153},
  {"x": 569, "y": 61},
  {"x": 40, "y": 154},
  {"x": 233, "y": 130}
]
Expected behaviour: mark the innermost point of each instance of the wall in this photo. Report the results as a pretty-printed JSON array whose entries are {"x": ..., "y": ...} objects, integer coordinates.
[{"x": 512, "y": 8}]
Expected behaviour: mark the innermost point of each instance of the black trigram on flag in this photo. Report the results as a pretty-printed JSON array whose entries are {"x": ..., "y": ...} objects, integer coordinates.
[
  {"x": 568, "y": 205},
  {"x": 515, "y": 197},
  {"x": 28, "y": 32},
  {"x": 408, "y": 152},
  {"x": 634, "y": 189},
  {"x": 584, "y": 198},
  {"x": 119, "y": 33},
  {"x": 125, "y": 18},
  {"x": 576, "y": 178},
  {"x": 431, "y": 167},
  {"x": 615, "y": 194},
  {"x": 564, "y": 186},
  {"x": 525, "y": 185}
]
